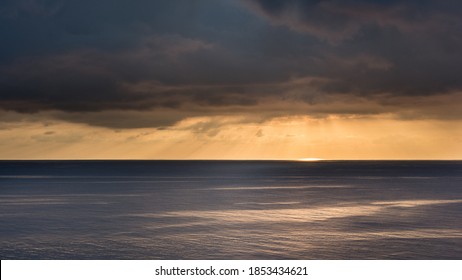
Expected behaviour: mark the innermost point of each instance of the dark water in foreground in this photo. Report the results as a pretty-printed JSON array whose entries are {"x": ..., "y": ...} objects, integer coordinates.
[{"x": 230, "y": 210}]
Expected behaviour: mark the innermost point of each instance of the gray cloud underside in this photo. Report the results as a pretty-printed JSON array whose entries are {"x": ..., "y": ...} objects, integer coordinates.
[{"x": 154, "y": 63}]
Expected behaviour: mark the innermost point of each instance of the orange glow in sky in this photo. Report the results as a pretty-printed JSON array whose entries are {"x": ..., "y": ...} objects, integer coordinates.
[{"x": 293, "y": 138}]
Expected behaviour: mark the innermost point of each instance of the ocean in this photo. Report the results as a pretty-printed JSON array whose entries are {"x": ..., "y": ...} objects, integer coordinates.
[{"x": 230, "y": 210}]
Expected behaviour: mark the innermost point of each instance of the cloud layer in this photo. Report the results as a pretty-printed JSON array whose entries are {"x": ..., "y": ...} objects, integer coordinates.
[{"x": 155, "y": 63}]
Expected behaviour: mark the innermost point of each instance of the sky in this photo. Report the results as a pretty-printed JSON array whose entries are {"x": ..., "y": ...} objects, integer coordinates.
[{"x": 230, "y": 79}]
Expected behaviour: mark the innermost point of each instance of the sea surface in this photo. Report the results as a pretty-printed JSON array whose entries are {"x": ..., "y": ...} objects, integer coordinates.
[{"x": 230, "y": 210}]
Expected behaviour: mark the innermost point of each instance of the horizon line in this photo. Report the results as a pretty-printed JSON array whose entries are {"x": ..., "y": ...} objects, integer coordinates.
[{"x": 214, "y": 159}]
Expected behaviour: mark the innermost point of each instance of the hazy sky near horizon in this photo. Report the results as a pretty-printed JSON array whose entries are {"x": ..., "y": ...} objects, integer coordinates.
[{"x": 237, "y": 79}]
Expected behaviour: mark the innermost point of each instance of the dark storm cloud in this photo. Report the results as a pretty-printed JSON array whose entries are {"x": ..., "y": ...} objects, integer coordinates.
[
  {"x": 154, "y": 63},
  {"x": 417, "y": 42},
  {"x": 342, "y": 19}
]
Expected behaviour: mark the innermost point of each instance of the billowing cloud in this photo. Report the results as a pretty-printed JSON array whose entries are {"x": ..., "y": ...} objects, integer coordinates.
[
  {"x": 118, "y": 64},
  {"x": 398, "y": 47},
  {"x": 340, "y": 20}
]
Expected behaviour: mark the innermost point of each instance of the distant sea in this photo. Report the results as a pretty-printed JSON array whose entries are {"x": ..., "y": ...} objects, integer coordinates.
[{"x": 230, "y": 210}]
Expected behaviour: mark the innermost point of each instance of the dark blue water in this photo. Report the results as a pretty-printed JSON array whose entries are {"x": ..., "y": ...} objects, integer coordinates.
[{"x": 230, "y": 210}]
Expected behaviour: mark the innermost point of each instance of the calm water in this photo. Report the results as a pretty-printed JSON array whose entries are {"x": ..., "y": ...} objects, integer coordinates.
[{"x": 230, "y": 210}]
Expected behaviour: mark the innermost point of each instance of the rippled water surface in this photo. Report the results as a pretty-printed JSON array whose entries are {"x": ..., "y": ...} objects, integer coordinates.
[{"x": 230, "y": 210}]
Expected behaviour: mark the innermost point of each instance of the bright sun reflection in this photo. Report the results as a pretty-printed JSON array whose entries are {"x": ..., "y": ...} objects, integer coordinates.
[{"x": 310, "y": 159}]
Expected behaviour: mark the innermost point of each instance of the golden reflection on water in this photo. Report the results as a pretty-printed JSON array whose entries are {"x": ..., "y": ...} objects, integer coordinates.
[
  {"x": 277, "y": 188},
  {"x": 299, "y": 221},
  {"x": 298, "y": 232},
  {"x": 294, "y": 215},
  {"x": 415, "y": 203}
]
